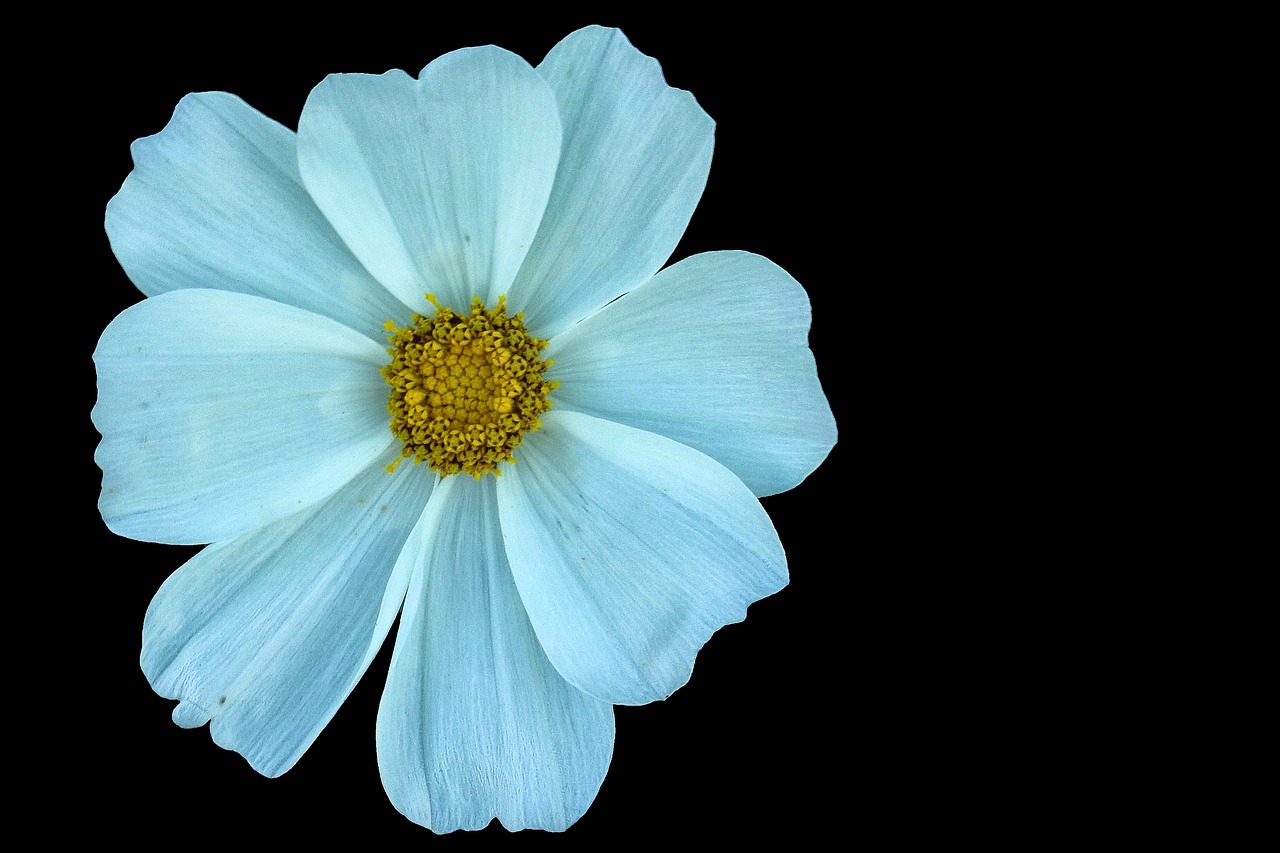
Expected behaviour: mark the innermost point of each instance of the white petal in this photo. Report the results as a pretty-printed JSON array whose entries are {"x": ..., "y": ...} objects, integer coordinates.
[
  {"x": 215, "y": 200},
  {"x": 630, "y": 550},
  {"x": 221, "y": 412},
  {"x": 437, "y": 184},
  {"x": 265, "y": 635},
  {"x": 635, "y": 162},
  {"x": 475, "y": 723},
  {"x": 714, "y": 353}
]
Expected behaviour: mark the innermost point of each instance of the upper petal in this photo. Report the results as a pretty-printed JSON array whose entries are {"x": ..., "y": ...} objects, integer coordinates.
[
  {"x": 714, "y": 353},
  {"x": 215, "y": 200},
  {"x": 265, "y": 635},
  {"x": 630, "y": 550},
  {"x": 221, "y": 412},
  {"x": 475, "y": 723},
  {"x": 437, "y": 184},
  {"x": 635, "y": 161}
]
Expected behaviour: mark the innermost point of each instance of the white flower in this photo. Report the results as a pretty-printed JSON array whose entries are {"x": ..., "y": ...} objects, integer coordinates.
[{"x": 244, "y": 404}]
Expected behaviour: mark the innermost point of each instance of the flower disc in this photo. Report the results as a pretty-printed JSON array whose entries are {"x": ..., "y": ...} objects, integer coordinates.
[{"x": 465, "y": 388}]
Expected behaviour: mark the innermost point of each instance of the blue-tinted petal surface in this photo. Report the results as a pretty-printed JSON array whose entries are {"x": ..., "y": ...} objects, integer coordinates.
[
  {"x": 634, "y": 164},
  {"x": 215, "y": 201},
  {"x": 437, "y": 184},
  {"x": 475, "y": 723},
  {"x": 714, "y": 353},
  {"x": 221, "y": 412},
  {"x": 629, "y": 551},
  {"x": 263, "y": 636}
]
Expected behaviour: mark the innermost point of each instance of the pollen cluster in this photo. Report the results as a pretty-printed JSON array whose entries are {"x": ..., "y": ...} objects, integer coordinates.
[{"x": 464, "y": 388}]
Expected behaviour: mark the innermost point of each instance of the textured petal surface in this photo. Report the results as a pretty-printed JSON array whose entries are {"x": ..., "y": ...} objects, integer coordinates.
[
  {"x": 437, "y": 184},
  {"x": 265, "y": 635},
  {"x": 221, "y": 412},
  {"x": 215, "y": 200},
  {"x": 714, "y": 353},
  {"x": 630, "y": 550},
  {"x": 635, "y": 162},
  {"x": 475, "y": 723}
]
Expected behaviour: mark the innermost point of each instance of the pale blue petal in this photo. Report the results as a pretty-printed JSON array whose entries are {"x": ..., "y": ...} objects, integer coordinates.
[
  {"x": 474, "y": 722},
  {"x": 437, "y": 184},
  {"x": 714, "y": 353},
  {"x": 221, "y": 412},
  {"x": 630, "y": 550},
  {"x": 215, "y": 200},
  {"x": 265, "y": 635},
  {"x": 635, "y": 162}
]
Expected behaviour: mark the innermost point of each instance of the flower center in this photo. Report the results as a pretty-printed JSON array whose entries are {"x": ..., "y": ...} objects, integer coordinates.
[{"x": 464, "y": 388}]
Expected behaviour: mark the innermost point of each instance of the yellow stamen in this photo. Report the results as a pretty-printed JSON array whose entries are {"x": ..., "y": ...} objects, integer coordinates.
[{"x": 464, "y": 389}]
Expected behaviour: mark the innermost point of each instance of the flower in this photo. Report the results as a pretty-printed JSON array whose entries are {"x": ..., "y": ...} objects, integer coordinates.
[{"x": 421, "y": 359}]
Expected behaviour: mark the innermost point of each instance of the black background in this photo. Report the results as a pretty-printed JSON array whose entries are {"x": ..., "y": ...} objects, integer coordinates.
[{"x": 765, "y": 738}]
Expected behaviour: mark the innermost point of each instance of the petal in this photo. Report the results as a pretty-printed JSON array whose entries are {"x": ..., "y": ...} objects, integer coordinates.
[
  {"x": 437, "y": 184},
  {"x": 215, "y": 200},
  {"x": 630, "y": 550},
  {"x": 635, "y": 161},
  {"x": 714, "y": 353},
  {"x": 265, "y": 635},
  {"x": 475, "y": 723},
  {"x": 221, "y": 412}
]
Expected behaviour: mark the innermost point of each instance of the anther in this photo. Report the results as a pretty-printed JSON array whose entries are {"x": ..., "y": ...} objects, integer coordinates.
[{"x": 464, "y": 389}]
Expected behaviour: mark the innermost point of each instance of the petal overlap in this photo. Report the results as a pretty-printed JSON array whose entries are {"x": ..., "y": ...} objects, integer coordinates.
[
  {"x": 437, "y": 184},
  {"x": 264, "y": 635},
  {"x": 629, "y": 551},
  {"x": 215, "y": 201},
  {"x": 714, "y": 353},
  {"x": 475, "y": 723},
  {"x": 634, "y": 163},
  {"x": 221, "y": 412}
]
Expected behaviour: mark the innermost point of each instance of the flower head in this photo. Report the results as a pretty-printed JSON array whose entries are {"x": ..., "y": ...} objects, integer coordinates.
[{"x": 454, "y": 274}]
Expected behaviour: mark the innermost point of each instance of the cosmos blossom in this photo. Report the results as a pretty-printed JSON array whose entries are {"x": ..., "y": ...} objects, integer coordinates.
[{"x": 421, "y": 359}]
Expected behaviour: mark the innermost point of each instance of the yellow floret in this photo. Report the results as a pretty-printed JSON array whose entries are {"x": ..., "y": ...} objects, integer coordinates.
[{"x": 464, "y": 390}]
